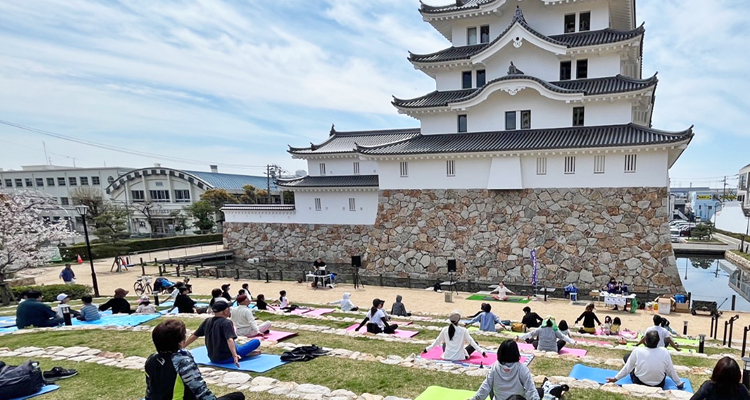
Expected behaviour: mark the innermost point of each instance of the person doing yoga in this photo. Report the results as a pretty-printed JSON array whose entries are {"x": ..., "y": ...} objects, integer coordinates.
[
  {"x": 487, "y": 320},
  {"x": 376, "y": 319},
  {"x": 649, "y": 366},
  {"x": 508, "y": 377},
  {"x": 547, "y": 338},
  {"x": 588, "y": 318},
  {"x": 453, "y": 338},
  {"x": 220, "y": 337}
]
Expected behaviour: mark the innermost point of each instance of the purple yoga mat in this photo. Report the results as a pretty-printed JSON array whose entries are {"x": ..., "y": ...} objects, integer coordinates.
[
  {"x": 276, "y": 335},
  {"x": 399, "y": 333}
]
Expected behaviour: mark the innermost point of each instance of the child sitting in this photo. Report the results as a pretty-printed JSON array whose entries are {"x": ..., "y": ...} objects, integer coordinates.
[
  {"x": 145, "y": 306},
  {"x": 563, "y": 328},
  {"x": 345, "y": 303},
  {"x": 260, "y": 302},
  {"x": 89, "y": 312},
  {"x": 607, "y": 326},
  {"x": 398, "y": 308},
  {"x": 614, "y": 329}
]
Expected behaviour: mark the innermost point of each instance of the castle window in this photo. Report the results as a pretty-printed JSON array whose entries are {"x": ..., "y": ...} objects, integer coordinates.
[
  {"x": 584, "y": 21},
  {"x": 565, "y": 70},
  {"x": 50, "y": 181},
  {"x": 582, "y": 69},
  {"x": 484, "y": 34},
  {"x": 322, "y": 169},
  {"x": 404, "y": 167},
  {"x": 570, "y": 23},
  {"x": 578, "y": 116},
  {"x": 356, "y": 168},
  {"x": 463, "y": 123},
  {"x": 450, "y": 168},
  {"x": 510, "y": 120},
  {"x": 318, "y": 206},
  {"x": 598, "y": 164},
  {"x": 481, "y": 78},
  {"x": 466, "y": 80},
  {"x": 471, "y": 36},
  {"x": 352, "y": 204},
  {"x": 526, "y": 119},
  {"x": 541, "y": 165},
  {"x": 630, "y": 163},
  {"x": 570, "y": 164}
]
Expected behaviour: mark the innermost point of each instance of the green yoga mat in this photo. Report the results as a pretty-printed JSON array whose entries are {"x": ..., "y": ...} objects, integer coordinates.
[
  {"x": 632, "y": 345},
  {"x": 511, "y": 299},
  {"x": 679, "y": 340},
  {"x": 441, "y": 393}
]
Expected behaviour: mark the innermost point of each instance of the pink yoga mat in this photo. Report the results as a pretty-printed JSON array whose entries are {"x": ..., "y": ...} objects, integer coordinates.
[
  {"x": 300, "y": 311},
  {"x": 399, "y": 333},
  {"x": 476, "y": 358},
  {"x": 576, "y": 352},
  {"x": 276, "y": 335},
  {"x": 319, "y": 311}
]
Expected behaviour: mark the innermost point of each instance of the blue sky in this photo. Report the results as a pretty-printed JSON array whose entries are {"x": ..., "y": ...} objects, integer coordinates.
[{"x": 235, "y": 82}]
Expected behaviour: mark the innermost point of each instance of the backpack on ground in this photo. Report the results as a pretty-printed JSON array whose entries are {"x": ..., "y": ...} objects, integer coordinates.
[
  {"x": 516, "y": 327},
  {"x": 23, "y": 380}
]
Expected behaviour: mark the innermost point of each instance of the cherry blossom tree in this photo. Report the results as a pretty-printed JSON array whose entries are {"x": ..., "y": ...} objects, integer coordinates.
[{"x": 24, "y": 233}]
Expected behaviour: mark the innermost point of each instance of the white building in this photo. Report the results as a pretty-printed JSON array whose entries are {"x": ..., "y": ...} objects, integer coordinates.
[
  {"x": 540, "y": 116},
  {"x": 743, "y": 187},
  {"x": 60, "y": 183}
]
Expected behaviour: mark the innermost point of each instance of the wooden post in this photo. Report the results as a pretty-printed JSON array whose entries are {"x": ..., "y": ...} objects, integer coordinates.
[{"x": 143, "y": 267}]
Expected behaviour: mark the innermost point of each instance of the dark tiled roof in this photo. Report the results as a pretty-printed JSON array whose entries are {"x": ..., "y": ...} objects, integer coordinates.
[
  {"x": 466, "y": 5},
  {"x": 530, "y": 140},
  {"x": 345, "y": 142},
  {"x": 589, "y": 87},
  {"x": 580, "y": 39},
  {"x": 331, "y": 181},
  {"x": 232, "y": 182}
]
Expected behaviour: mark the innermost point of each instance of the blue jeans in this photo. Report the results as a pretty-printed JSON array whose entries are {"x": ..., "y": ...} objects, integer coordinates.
[{"x": 244, "y": 350}]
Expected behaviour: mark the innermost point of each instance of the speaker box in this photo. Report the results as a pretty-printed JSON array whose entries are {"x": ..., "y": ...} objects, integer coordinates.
[
  {"x": 451, "y": 265},
  {"x": 357, "y": 261}
]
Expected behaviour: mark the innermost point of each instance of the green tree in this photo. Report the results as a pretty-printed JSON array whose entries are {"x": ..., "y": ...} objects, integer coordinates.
[
  {"x": 217, "y": 198},
  {"x": 90, "y": 197},
  {"x": 250, "y": 196},
  {"x": 111, "y": 223},
  {"x": 180, "y": 221},
  {"x": 288, "y": 197},
  {"x": 701, "y": 231},
  {"x": 202, "y": 213}
]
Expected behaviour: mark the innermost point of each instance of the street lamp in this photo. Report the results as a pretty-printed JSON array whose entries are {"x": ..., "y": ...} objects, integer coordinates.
[{"x": 82, "y": 211}]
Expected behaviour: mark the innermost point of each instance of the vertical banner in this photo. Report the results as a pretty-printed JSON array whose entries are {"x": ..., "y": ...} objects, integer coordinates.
[{"x": 533, "y": 263}]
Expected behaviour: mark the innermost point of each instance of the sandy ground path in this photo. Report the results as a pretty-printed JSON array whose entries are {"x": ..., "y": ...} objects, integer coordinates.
[{"x": 416, "y": 300}]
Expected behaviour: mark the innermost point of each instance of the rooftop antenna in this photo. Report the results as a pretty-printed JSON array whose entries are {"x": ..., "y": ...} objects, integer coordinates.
[{"x": 46, "y": 159}]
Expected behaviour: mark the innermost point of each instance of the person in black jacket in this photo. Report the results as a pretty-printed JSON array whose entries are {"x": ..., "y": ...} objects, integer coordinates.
[
  {"x": 118, "y": 304},
  {"x": 531, "y": 319},
  {"x": 588, "y": 318},
  {"x": 225, "y": 292},
  {"x": 724, "y": 383}
]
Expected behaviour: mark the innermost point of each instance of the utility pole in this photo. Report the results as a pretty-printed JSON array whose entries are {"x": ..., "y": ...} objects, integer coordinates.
[
  {"x": 725, "y": 190},
  {"x": 272, "y": 171}
]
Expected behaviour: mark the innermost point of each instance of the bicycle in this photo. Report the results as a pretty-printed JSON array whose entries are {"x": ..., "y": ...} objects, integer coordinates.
[{"x": 143, "y": 285}]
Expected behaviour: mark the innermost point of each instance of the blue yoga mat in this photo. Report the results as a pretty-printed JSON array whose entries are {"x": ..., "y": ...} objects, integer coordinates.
[
  {"x": 8, "y": 329},
  {"x": 120, "y": 320},
  {"x": 600, "y": 376},
  {"x": 259, "y": 364},
  {"x": 45, "y": 389},
  {"x": 7, "y": 322},
  {"x": 168, "y": 304}
]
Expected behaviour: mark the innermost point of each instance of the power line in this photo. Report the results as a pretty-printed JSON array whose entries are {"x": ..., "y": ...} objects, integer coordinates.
[{"x": 122, "y": 149}]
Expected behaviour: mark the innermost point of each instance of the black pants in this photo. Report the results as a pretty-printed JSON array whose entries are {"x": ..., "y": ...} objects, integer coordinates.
[
  {"x": 638, "y": 381},
  {"x": 560, "y": 344},
  {"x": 374, "y": 328},
  {"x": 468, "y": 349},
  {"x": 540, "y": 391},
  {"x": 232, "y": 396}
]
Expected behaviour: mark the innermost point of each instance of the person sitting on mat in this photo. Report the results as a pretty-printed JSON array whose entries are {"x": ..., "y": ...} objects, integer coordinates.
[
  {"x": 724, "y": 383},
  {"x": 283, "y": 302},
  {"x": 145, "y": 306},
  {"x": 606, "y": 325},
  {"x": 246, "y": 288},
  {"x": 33, "y": 313},
  {"x": 118, "y": 303},
  {"x": 215, "y": 296},
  {"x": 649, "y": 366},
  {"x": 562, "y": 326},
  {"x": 172, "y": 368},
  {"x": 376, "y": 319},
  {"x": 588, "y": 318},
  {"x": 664, "y": 337},
  {"x": 547, "y": 338},
  {"x": 220, "y": 338},
  {"x": 501, "y": 292},
  {"x": 345, "y": 303},
  {"x": 260, "y": 302},
  {"x": 89, "y": 312},
  {"x": 457, "y": 343},
  {"x": 225, "y": 292},
  {"x": 398, "y": 308},
  {"x": 508, "y": 377},
  {"x": 614, "y": 329},
  {"x": 531, "y": 319},
  {"x": 665, "y": 324},
  {"x": 244, "y": 320},
  {"x": 487, "y": 320},
  {"x": 185, "y": 305},
  {"x": 63, "y": 299}
]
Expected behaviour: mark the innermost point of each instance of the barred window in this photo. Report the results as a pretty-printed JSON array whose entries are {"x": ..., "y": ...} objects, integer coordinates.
[
  {"x": 630, "y": 163},
  {"x": 322, "y": 169},
  {"x": 570, "y": 164},
  {"x": 598, "y": 164},
  {"x": 356, "y": 168},
  {"x": 541, "y": 165},
  {"x": 318, "y": 206},
  {"x": 352, "y": 204},
  {"x": 450, "y": 167},
  {"x": 404, "y": 169}
]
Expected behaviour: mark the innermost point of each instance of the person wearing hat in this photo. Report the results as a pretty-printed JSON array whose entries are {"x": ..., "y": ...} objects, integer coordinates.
[
  {"x": 62, "y": 299},
  {"x": 220, "y": 337},
  {"x": 225, "y": 292},
  {"x": 548, "y": 337},
  {"x": 453, "y": 338},
  {"x": 145, "y": 306},
  {"x": 118, "y": 304},
  {"x": 376, "y": 319},
  {"x": 244, "y": 320}
]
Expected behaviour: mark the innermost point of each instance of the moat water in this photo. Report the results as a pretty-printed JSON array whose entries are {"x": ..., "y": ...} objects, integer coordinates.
[{"x": 708, "y": 279}]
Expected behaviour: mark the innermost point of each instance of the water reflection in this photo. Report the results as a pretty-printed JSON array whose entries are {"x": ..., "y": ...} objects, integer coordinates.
[{"x": 708, "y": 279}]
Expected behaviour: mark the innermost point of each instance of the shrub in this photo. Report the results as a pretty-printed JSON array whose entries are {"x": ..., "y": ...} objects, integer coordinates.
[
  {"x": 50, "y": 292},
  {"x": 133, "y": 246}
]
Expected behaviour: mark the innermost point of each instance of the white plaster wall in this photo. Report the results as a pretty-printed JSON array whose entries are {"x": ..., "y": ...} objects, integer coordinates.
[
  {"x": 335, "y": 210},
  {"x": 651, "y": 171},
  {"x": 341, "y": 166},
  {"x": 446, "y": 122},
  {"x": 471, "y": 173},
  {"x": 608, "y": 64},
  {"x": 607, "y": 113}
]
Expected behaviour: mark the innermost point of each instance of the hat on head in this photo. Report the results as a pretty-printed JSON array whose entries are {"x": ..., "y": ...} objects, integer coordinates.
[
  {"x": 220, "y": 306},
  {"x": 225, "y": 286},
  {"x": 62, "y": 296},
  {"x": 120, "y": 292},
  {"x": 144, "y": 299},
  {"x": 455, "y": 317},
  {"x": 241, "y": 298}
]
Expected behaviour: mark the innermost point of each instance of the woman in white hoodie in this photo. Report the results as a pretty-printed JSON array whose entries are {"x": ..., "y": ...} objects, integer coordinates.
[
  {"x": 453, "y": 338},
  {"x": 508, "y": 377},
  {"x": 345, "y": 303}
]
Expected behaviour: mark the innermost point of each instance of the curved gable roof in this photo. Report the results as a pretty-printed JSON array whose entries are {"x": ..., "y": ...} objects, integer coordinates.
[
  {"x": 346, "y": 142},
  {"x": 204, "y": 180},
  {"x": 459, "y": 5}
]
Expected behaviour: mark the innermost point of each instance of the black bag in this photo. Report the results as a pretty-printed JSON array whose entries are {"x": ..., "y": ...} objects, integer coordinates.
[
  {"x": 303, "y": 353},
  {"x": 23, "y": 380}
]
